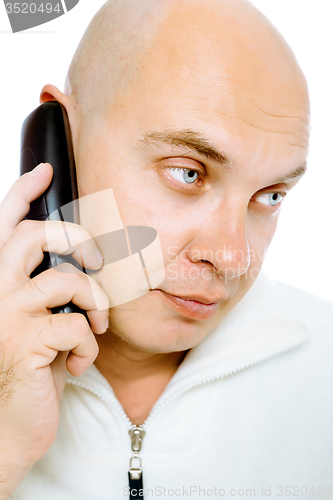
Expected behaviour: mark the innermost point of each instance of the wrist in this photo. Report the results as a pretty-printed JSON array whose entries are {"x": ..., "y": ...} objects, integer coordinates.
[{"x": 11, "y": 476}]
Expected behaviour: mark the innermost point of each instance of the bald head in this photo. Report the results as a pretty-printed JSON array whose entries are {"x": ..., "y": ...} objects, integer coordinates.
[
  {"x": 131, "y": 45},
  {"x": 107, "y": 59},
  {"x": 195, "y": 113}
]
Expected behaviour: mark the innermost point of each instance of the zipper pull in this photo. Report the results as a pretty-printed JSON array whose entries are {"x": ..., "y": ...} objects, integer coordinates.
[
  {"x": 135, "y": 479},
  {"x": 137, "y": 434}
]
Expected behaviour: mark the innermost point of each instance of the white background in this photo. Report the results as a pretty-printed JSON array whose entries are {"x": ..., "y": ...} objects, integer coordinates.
[{"x": 302, "y": 252}]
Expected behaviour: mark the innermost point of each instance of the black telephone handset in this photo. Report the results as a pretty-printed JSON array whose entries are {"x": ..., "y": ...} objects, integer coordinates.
[{"x": 46, "y": 138}]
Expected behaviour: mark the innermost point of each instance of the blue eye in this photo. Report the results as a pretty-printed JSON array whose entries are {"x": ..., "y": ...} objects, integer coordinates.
[
  {"x": 183, "y": 174},
  {"x": 270, "y": 199}
]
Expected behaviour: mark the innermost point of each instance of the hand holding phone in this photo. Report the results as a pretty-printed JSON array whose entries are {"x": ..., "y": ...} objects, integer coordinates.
[
  {"x": 46, "y": 137},
  {"x": 37, "y": 346}
]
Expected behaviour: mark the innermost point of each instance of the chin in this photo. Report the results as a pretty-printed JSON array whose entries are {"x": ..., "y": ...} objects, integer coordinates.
[
  {"x": 151, "y": 323},
  {"x": 158, "y": 333}
]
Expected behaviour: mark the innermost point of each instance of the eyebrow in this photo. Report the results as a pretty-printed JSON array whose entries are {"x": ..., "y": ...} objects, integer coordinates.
[
  {"x": 299, "y": 172},
  {"x": 195, "y": 141},
  {"x": 186, "y": 138}
]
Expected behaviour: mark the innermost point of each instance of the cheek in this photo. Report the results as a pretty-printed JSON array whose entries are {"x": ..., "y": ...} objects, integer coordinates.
[
  {"x": 138, "y": 197},
  {"x": 141, "y": 203},
  {"x": 91, "y": 168},
  {"x": 260, "y": 235}
]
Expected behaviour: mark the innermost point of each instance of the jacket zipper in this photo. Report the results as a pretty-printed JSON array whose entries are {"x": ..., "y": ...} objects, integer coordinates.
[
  {"x": 135, "y": 477},
  {"x": 137, "y": 433}
]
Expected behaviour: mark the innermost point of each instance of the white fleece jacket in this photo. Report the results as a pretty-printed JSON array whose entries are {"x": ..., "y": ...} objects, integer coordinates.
[{"x": 248, "y": 413}]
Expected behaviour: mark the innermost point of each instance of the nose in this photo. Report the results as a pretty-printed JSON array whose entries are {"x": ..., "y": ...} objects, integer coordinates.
[{"x": 221, "y": 240}]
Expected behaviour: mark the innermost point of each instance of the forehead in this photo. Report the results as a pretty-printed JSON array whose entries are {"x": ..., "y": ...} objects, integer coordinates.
[
  {"x": 254, "y": 131},
  {"x": 226, "y": 74}
]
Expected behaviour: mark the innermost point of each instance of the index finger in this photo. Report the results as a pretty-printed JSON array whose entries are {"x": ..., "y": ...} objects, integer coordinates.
[{"x": 16, "y": 204}]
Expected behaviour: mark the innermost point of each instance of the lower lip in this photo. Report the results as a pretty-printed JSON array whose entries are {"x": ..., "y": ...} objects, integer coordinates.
[{"x": 190, "y": 308}]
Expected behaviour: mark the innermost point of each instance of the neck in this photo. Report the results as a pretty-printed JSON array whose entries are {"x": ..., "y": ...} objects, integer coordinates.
[{"x": 138, "y": 378}]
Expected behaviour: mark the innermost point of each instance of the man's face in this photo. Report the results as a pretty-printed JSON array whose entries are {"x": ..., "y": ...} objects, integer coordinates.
[{"x": 197, "y": 150}]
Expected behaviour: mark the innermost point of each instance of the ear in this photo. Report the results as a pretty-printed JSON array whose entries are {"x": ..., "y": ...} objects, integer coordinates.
[{"x": 51, "y": 93}]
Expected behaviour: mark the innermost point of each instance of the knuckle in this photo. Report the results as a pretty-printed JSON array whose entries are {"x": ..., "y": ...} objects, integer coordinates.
[
  {"x": 27, "y": 226},
  {"x": 54, "y": 327},
  {"x": 17, "y": 184},
  {"x": 79, "y": 322},
  {"x": 79, "y": 232},
  {"x": 40, "y": 282},
  {"x": 34, "y": 285},
  {"x": 84, "y": 233},
  {"x": 73, "y": 322},
  {"x": 65, "y": 271}
]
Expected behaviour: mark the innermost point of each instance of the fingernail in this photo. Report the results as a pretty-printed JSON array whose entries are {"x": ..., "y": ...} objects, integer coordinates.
[
  {"x": 37, "y": 169},
  {"x": 99, "y": 256}
]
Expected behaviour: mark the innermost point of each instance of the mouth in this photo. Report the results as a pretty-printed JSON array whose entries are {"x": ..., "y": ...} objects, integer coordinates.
[{"x": 190, "y": 307}]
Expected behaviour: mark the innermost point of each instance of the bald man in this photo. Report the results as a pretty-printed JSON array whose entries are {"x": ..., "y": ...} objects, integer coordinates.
[{"x": 218, "y": 381}]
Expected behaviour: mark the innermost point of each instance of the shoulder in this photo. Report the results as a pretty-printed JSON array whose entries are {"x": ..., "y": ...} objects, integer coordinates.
[
  {"x": 311, "y": 361},
  {"x": 314, "y": 312},
  {"x": 303, "y": 304}
]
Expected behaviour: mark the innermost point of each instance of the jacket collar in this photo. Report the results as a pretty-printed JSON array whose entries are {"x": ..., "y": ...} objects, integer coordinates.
[{"x": 259, "y": 327}]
